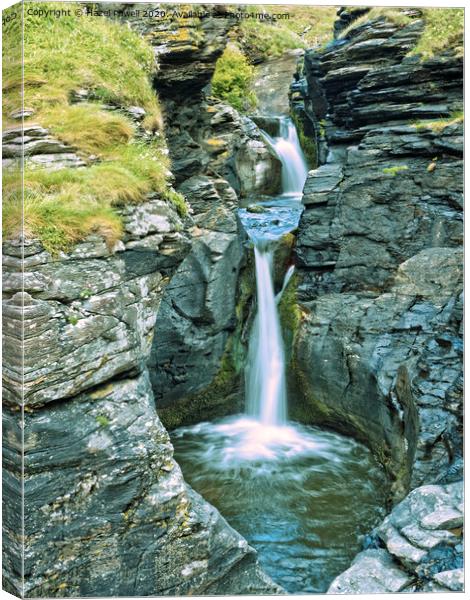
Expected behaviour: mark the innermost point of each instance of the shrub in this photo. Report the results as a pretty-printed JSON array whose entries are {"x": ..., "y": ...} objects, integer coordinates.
[{"x": 232, "y": 79}]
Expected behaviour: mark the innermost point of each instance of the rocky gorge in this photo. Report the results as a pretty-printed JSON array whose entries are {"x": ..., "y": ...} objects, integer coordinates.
[
  {"x": 381, "y": 296},
  {"x": 113, "y": 345}
]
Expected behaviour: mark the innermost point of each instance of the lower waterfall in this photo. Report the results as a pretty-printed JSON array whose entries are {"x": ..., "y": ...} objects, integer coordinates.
[
  {"x": 287, "y": 488},
  {"x": 265, "y": 375}
]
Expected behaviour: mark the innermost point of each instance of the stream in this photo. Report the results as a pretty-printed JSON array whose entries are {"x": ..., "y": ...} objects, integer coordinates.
[{"x": 300, "y": 495}]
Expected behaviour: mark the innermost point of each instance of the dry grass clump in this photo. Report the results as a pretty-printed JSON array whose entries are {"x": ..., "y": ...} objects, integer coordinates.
[
  {"x": 443, "y": 29},
  {"x": 113, "y": 64},
  {"x": 437, "y": 125},
  {"x": 394, "y": 15}
]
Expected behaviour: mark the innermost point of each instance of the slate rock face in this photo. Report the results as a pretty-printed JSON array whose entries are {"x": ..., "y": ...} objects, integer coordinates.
[
  {"x": 38, "y": 147},
  {"x": 378, "y": 352},
  {"x": 415, "y": 556},
  {"x": 378, "y": 247},
  {"x": 107, "y": 511}
]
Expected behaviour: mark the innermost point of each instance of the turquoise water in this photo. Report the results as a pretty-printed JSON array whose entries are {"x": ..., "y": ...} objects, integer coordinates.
[{"x": 301, "y": 496}]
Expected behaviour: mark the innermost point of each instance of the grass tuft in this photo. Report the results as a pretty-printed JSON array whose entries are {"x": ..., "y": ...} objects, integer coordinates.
[
  {"x": 64, "y": 206},
  {"x": 394, "y": 15},
  {"x": 87, "y": 128},
  {"x": 69, "y": 53},
  {"x": 443, "y": 29},
  {"x": 438, "y": 125},
  {"x": 114, "y": 64}
]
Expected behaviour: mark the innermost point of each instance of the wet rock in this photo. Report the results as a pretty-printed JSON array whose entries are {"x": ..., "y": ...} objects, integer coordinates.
[
  {"x": 258, "y": 169},
  {"x": 101, "y": 483},
  {"x": 194, "y": 320},
  {"x": 452, "y": 580},
  {"x": 414, "y": 558},
  {"x": 209, "y": 138},
  {"x": 443, "y": 519},
  {"x": 100, "y": 474},
  {"x": 380, "y": 229},
  {"x": 256, "y": 208},
  {"x": 378, "y": 350},
  {"x": 372, "y": 572}
]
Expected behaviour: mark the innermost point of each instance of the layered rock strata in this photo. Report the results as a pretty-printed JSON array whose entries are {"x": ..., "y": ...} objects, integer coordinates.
[
  {"x": 218, "y": 157},
  {"x": 378, "y": 352},
  {"x": 418, "y": 547},
  {"x": 107, "y": 511}
]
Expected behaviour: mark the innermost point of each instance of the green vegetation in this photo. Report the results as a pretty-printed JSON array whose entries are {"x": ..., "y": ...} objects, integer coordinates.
[
  {"x": 307, "y": 27},
  {"x": 394, "y": 170},
  {"x": 69, "y": 53},
  {"x": 443, "y": 28},
  {"x": 258, "y": 39},
  {"x": 307, "y": 143},
  {"x": 62, "y": 207},
  {"x": 289, "y": 311},
  {"x": 266, "y": 39},
  {"x": 232, "y": 79},
  {"x": 87, "y": 128},
  {"x": 438, "y": 125},
  {"x": 12, "y": 59},
  {"x": 103, "y": 421},
  {"x": 113, "y": 65},
  {"x": 395, "y": 15}
]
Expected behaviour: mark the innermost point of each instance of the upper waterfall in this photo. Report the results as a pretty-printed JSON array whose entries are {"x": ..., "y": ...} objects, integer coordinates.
[{"x": 287, "y": 147}]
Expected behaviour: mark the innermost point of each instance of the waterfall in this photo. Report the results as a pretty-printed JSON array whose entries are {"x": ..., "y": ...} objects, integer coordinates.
[
  {"x": 265, "y": 381},
  {"x": 265, "y": 373},
  {"x": 287, "y": 147}
]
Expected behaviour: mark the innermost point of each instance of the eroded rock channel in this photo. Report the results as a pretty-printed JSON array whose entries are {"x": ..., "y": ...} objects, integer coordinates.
[{"x": 264, "y": 395}]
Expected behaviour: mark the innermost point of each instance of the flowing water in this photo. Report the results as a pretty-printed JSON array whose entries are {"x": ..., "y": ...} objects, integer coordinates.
[
  {"x": 294, "y": 166},
  {"x": 301, "y": 496}
]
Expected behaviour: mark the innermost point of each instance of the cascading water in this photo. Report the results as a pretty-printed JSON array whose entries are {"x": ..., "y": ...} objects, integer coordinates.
[
  {"x": 286, "y": 487},
  {"x": 265, "y": 377},
  {"x": 265, "y": 374},
  {"x": 287, "y": 147}
]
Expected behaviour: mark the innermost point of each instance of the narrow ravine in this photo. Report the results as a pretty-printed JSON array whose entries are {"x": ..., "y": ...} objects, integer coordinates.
[
  {"x": 181, "y": 275},
  {"x": 288, "y": 489}
]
